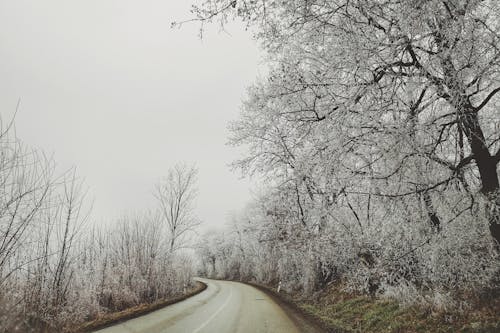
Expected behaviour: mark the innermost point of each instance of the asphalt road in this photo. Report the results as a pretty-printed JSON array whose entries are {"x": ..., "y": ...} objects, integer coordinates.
[{"x": 223, "y": 307}]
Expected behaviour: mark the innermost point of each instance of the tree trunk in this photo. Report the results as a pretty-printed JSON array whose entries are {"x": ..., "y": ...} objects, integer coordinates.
[
  {"x": 486, "y": 164},
  {"x": 468, "y": 122}
]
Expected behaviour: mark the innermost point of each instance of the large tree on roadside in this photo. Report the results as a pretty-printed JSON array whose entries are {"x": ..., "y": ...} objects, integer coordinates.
[{"x": 392, "y": 89}]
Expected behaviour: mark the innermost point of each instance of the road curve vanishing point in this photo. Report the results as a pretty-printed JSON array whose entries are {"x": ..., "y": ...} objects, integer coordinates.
[{"x": 224, "y": 307}]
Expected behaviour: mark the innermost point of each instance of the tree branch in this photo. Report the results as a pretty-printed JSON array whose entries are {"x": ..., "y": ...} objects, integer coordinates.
[
  {"x": 496, "y": 157},
  {"x": 487, "y": 99}
]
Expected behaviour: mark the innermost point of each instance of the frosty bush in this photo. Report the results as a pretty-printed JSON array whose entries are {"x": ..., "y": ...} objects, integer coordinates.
[{"x": 55, "y": 270}]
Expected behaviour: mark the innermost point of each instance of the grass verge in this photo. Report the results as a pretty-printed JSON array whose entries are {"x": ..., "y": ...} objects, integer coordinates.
[
  {"x": 343, "y": 312},
  {"x": 336, "y": 311}
]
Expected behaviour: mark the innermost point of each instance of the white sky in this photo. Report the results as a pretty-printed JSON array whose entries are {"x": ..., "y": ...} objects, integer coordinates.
[{"x": 109, "y": 87}]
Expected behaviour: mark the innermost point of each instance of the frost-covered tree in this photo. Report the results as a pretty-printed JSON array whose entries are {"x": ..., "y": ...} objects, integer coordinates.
[
  {"x": 176, "y": 195},
  {"x": 377, "y": 132},
  {"x": 56, "y": 271},
  {"x": 393, "y": 89}
]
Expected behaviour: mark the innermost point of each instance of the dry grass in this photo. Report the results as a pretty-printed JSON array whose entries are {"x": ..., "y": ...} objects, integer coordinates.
[{"x": 343, "y": 312}]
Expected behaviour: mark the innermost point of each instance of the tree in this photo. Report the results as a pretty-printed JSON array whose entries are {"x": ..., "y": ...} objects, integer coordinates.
[
  {"x": 72, "y": 216},
  {"x": 350, "y": 78},
  {"x": 376, "y": 130},
  {"x": 176, "y": 195},
  {"x": 55, "y": 273},
  {"x": 26, "y": 182}
]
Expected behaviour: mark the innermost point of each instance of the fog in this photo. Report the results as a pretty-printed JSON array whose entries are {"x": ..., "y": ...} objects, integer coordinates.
[{"x": 110, "y": 88}]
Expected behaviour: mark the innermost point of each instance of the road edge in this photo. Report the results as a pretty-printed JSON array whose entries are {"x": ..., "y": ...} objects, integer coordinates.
[
  {"x": 299, "y": 316},
  {"x": 137, "y": 311}
]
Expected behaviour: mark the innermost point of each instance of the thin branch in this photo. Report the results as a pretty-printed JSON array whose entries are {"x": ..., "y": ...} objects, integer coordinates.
[{"x": 487, "y": 99}]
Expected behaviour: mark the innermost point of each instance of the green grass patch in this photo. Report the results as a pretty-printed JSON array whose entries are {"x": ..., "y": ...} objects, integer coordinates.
[{"x": 363, "y": 314}]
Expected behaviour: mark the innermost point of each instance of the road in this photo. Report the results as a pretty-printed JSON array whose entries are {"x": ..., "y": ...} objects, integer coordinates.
[{"x": 224, "y": 307}]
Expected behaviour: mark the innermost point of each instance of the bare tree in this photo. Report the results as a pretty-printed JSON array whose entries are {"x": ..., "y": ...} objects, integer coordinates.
[
  {"x": 54, "y": 272},
  {"x": 25, "y": 184},
  {"x": 176, "y": 195},
  {"x": 72, "y": 216}
]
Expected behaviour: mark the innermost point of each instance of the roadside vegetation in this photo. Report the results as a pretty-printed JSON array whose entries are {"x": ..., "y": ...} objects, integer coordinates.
[
  {"x": 377, "y": 134},
  {"x": 112, "y": 318},
  {"x": 59, "y": 270},
  {"x": 344, "y": 312}
]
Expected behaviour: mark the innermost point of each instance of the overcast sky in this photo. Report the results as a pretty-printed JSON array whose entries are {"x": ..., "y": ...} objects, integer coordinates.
[{"x": 107, "y": 86}]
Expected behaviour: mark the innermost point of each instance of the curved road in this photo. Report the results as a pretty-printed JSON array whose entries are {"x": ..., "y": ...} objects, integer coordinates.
[{"x": 224, "y": 307}]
